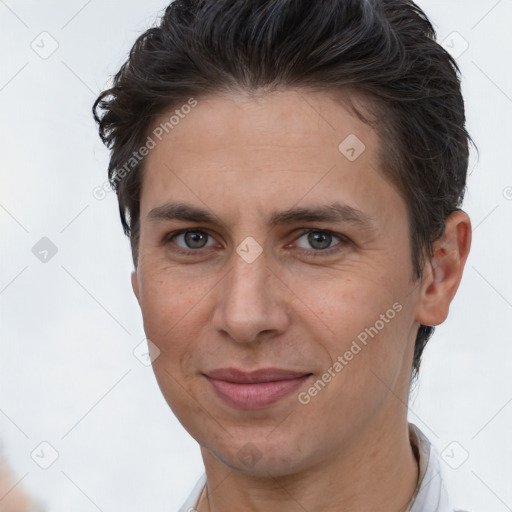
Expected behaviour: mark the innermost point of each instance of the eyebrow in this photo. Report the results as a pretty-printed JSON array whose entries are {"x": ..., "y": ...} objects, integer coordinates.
[{"x": 334, "y": 212}]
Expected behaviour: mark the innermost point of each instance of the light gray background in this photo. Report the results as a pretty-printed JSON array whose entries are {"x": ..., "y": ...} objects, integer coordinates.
[{"x": 69, "y": 325}]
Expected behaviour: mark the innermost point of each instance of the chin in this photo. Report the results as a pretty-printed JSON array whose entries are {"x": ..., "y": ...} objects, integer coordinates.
[{"x": 260, "y": 457}]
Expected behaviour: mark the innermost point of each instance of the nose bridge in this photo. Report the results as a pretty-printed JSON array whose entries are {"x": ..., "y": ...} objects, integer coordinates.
[
  {"x": 248, "y": 304},
  {"x": 247, "y": 278}
]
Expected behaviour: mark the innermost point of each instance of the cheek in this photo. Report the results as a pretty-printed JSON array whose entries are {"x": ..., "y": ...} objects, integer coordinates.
[
  {"x": 173, "y": 318},
  {"x": 344, "y": 308},
  {"x": 171, "y": 308},
  {"x": 367, "y": 355},
  {"x": 368, "y": 321}
]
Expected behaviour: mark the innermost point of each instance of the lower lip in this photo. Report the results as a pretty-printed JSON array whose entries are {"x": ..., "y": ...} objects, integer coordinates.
[{"x": 255, "y": 396}]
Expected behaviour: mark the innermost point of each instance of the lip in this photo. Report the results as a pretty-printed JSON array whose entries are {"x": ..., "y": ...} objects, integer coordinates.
[{"x": 255, "y": 389}]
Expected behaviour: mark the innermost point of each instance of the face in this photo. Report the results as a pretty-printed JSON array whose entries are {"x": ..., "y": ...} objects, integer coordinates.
[{"x": 275, "y": 278}]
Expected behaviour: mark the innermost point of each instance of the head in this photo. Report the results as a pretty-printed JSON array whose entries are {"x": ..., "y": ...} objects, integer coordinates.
[{"x": 245, "y": 110}]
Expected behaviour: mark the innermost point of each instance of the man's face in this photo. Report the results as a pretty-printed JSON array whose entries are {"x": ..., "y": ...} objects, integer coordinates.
[{"x": 318, "y": 291}]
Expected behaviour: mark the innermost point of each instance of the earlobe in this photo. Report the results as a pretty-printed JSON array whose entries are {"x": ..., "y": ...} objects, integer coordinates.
[
  {"x": 443, "y": 273},
  {"x": 135, "y": 284}
]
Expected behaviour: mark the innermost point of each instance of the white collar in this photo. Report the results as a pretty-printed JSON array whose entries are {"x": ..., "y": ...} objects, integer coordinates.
[{"x": 430, "y": 494}]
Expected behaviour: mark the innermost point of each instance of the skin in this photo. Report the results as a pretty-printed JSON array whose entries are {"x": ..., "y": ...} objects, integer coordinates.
[{"x": 242, "y": 158}]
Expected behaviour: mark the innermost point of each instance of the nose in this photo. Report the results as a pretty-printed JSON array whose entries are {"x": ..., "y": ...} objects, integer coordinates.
[{"x": 251, "y": 303}]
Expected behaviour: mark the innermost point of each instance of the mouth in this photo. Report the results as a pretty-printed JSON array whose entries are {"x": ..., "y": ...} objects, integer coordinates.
[{"x": 256, "y": 389}]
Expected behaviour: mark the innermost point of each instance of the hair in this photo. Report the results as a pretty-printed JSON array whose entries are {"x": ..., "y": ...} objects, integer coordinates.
[{"x": 383, "y": 51}]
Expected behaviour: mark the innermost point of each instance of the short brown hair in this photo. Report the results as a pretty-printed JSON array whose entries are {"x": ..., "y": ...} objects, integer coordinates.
[{"x": 383, "y": 49}]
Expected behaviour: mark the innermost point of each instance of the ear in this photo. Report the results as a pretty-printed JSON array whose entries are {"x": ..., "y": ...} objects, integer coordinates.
[
  {"x": 443, "y": 273},
  {"x": 135, "y": 285}
]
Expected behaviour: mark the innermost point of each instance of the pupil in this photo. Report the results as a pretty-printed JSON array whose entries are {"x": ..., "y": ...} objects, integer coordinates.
[
  {"x": 324, "y": 240},
  {"x": 193, "y": 239}
]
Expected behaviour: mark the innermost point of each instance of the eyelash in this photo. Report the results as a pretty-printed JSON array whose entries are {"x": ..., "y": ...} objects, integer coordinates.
[{"x": 342, "y": 239}]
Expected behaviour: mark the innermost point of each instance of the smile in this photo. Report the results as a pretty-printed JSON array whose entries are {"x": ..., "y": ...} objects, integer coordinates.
[{"x": 254, "y": 390}]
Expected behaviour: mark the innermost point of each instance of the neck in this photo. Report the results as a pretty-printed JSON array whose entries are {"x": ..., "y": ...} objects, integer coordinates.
[{"x": 376, "y": 471}]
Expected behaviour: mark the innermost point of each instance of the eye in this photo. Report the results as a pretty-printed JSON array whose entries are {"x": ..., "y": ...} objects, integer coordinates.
[
  {"x": 321, "y": 241},
  {"x": 317, "y": 242},
  {"x": 191, "y": 240}
]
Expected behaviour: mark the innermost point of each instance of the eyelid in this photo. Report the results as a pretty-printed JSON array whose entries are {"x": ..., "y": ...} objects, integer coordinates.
[{"x": 343, "y": 240}]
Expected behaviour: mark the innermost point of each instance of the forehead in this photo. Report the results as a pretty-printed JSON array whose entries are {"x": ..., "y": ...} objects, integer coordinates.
[
  {"x": 293, "y": 117},
  {"x": 281, "y": 148}
]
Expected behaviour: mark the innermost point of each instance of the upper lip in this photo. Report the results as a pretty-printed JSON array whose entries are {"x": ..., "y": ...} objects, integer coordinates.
[{"x": 255, "y": 376}]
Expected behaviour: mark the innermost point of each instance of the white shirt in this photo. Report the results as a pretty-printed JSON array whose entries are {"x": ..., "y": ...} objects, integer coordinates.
[{"x": 430, "y": 494}]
